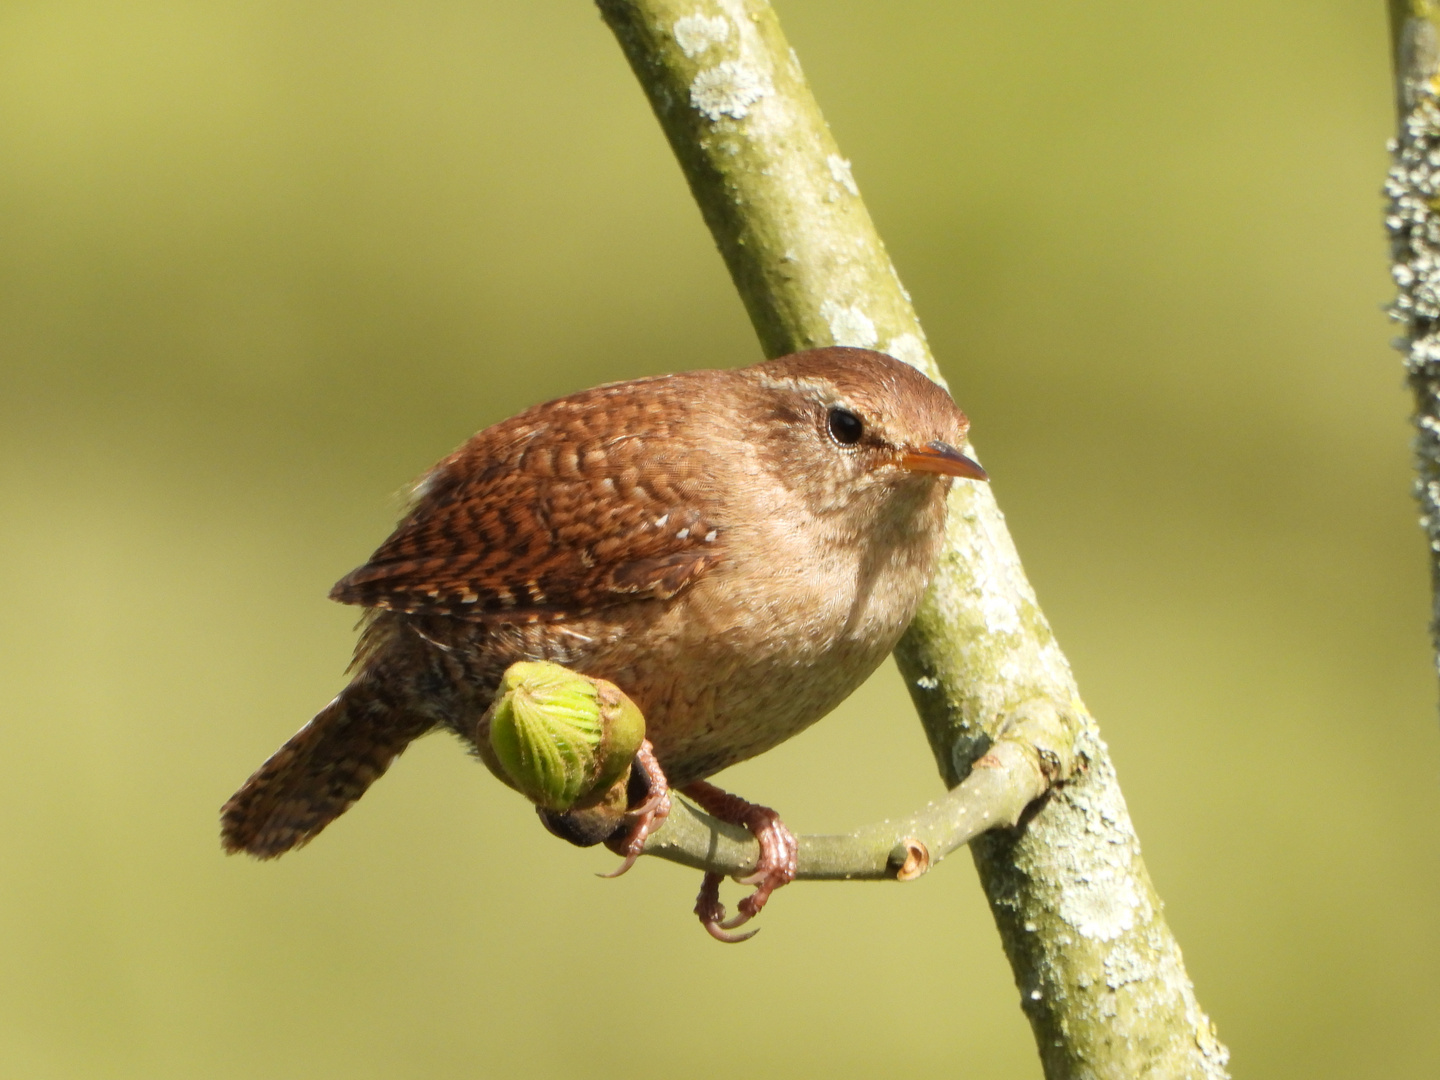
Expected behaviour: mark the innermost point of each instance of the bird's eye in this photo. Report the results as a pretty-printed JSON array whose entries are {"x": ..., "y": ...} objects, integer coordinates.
[{"x": 845, "y": 427}]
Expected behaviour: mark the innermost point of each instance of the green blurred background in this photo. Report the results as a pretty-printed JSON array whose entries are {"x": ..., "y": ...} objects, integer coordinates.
[{"x": 261, "y": 263}]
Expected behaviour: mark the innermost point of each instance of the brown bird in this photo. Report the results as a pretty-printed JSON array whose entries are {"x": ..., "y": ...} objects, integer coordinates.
[{"x": 737, "y": 550}]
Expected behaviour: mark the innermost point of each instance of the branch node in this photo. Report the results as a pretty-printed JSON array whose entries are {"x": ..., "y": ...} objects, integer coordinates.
[{"x": 911, "y": 859}]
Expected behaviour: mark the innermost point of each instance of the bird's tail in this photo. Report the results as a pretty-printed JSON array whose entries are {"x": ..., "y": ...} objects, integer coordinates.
[{"x": 321, "y": 771}]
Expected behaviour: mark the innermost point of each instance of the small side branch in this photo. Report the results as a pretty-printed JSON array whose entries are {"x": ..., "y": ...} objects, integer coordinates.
[{"x": 1002, "y": 784}]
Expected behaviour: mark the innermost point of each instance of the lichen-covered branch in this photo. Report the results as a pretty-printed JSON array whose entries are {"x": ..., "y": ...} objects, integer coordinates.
[
  {"x": 996, "y": 792},
  {"x": 1100, "y": 974},
  {"x": 1413, "y": 191}
]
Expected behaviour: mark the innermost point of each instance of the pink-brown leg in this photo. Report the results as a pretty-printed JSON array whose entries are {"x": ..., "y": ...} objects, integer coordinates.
[
  {"x": 649, "y": 815},
  {"x": 775, "y": 868}
]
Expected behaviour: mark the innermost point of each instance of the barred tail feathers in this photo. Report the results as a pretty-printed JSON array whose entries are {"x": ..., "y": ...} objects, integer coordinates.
[{"x": 320, "y": 773}]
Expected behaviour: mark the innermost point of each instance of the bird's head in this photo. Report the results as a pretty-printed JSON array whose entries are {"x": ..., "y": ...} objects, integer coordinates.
[{"x": 853, "y": 429}]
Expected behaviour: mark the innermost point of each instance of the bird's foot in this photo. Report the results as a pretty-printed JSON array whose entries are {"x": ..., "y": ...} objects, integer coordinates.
[
  {"x": 776, "y": 866},
  {"x": 645, "y": 818},
  {"x": 712, "y": 912}
]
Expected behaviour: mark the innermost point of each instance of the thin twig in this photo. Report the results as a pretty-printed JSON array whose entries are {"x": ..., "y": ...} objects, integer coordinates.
[{"x": 996, "y": 792}]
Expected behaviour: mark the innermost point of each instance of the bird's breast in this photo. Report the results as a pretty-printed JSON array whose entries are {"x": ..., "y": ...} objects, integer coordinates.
[{"x": 784, "y": 629}]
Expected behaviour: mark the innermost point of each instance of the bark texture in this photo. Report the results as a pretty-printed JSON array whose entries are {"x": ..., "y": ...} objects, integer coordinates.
[{"x": 1413, "y": 192}]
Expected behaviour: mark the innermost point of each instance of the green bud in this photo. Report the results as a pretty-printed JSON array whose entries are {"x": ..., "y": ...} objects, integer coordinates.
[{"x": 561, "y": 739}]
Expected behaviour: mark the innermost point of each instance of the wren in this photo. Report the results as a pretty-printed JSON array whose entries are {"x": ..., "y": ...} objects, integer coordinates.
[{"x": 737, "y": 550}]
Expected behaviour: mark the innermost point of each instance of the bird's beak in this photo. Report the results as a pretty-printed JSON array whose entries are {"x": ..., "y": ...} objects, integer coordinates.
[{"x": 939, "y": 457}]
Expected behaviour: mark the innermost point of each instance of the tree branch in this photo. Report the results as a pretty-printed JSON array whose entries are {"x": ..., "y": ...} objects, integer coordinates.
[
  {"x": 997, "y": 791},
  {"x": 1412, "y": 188},
  {"x": 1100, "y": 975}
]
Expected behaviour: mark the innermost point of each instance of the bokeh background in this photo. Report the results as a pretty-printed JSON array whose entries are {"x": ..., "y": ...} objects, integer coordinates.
[{"x": 261, "y": 263}]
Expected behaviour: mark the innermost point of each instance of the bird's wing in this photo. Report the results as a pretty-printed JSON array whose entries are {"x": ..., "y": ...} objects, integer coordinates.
[{"x": 536, "y": 519}]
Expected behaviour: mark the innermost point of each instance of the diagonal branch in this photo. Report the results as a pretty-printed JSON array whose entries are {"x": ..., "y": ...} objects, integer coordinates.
[{"x": 1100, "y": 974}]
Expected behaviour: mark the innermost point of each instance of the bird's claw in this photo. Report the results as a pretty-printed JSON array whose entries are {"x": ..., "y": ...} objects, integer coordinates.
[
  {"x": 649, "y": 815},
  {"x": 739, "y": 920},
  {"x": 776, "y": 866},
  {"x": 778, "y": 849},
  {"x": 625, "y": 865},
  {"x": 653, "y": 802},
  {"x": 712, "y": 914}
]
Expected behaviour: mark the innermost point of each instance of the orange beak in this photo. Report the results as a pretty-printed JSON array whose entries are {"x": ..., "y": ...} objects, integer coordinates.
[{"x": 942, "y": 458}]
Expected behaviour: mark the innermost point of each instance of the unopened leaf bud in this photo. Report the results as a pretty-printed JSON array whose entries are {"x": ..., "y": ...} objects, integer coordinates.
[{"x": 561, "y": 739}]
